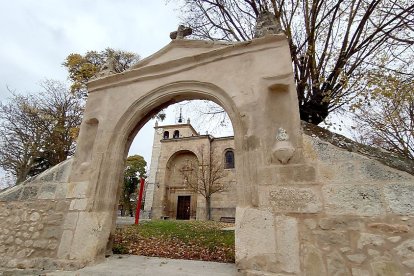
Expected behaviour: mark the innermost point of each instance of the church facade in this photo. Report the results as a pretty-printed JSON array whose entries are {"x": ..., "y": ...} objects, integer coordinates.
[{"x": 176, "y": 148}]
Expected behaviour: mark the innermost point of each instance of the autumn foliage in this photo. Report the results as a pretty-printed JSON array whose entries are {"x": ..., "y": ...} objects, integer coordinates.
[{"x": 191, "y": 240}]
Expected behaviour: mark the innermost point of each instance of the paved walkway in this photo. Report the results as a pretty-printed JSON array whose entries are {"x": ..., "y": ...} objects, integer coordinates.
[{"x": 128, "y": 265}]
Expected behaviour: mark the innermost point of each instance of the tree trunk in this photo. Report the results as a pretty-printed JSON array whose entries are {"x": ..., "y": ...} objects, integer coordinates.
[
  {"x": 314, "y": 111},
  {"x": 208, "y": 209}
]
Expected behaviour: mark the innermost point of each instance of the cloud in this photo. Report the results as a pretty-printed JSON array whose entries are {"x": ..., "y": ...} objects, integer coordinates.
[{"x": 38, "y": 35}]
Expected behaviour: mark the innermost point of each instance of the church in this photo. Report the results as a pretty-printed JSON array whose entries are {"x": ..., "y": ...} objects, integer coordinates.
[{"x": 167, "y": 193}]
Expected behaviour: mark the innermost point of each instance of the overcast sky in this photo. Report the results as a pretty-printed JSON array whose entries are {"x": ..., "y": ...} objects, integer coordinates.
[{"x": 37, "y": 35}]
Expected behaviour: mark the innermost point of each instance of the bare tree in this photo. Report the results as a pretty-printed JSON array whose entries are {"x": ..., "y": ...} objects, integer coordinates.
[
  {"x": 207, "y": 177},
  {"x": 20, "y": 136},
  {"x": 388, "y": 122},
  {"x": 38, "y": 131},
  {"x": 332, "y": 43}
]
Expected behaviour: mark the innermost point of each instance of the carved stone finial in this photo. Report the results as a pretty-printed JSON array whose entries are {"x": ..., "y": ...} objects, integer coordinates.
[
  {"x": 181, "y": 32},
  {"x": 267, "y": 23}
]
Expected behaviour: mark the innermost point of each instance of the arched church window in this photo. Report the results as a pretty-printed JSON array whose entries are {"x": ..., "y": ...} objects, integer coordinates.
[
  {"x": 229, "y": 159},
  {"x": 166, "y": 135},
  {"x": 176, "y": 134}
]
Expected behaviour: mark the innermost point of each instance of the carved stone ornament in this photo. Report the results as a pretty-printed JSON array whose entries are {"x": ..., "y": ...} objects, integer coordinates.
[
  {"x": 282, "y": 135},
  {"x": 181, "y": 32},
  {"x": 283, "y": 149}
]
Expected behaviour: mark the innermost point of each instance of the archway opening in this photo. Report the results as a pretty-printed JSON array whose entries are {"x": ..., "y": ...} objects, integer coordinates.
[{"x": 178, "y": 167}]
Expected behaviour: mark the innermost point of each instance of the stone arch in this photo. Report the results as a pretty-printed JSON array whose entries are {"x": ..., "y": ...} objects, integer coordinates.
[
  {"x": 172, "y": 156},
  {"x": 140, "y": 112},
  {"x": 176, "y": 134},
  {"x": 251, "y": 80},
  {"x": 174, "y": 187},
  {"x": 250, "y": 96}
]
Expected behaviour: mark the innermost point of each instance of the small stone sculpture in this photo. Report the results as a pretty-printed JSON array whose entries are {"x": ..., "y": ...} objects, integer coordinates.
[
  {"x": 282, "y": 135},
  {"x": 283, "y": 149}
]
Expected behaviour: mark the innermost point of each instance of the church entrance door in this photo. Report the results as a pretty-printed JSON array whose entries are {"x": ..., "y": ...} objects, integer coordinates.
[{"x": 183, "y": 207}]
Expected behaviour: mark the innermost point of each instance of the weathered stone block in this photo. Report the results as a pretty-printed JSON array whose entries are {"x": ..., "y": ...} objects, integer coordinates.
[
  {"x": 359, "y": 272},
  {"x": 329, "y": 238},
  {"x": 375, "y": 171},
  {"x": 41, "y": 244},
  {"x": 12, "y": 195},
  {"x": 71, "y": 220},
  {"x": 409, "y": 264},
  {"x": 91, "y": 235},
  {"x": 78, "y": 204},
  {"x": 400, "y": 198},
  {"x": 390, "y": 228},
  {"x": 385, "y": 269},
  {"x": 61, "y": 190},
  {"x": 405, "y": 249},
  {"x": 295, "y": 173},
  {"x": 304, "y": 173},
  {"x": 63, "y": 172},
  {"x": 28, "y": 243},
  {"x": 357, "y": 258},
  {"x": 369, "y": 239},
  {"x": 295, "y": 200},
  {"x": 77, "y": 190},
  {"x": 35, "y": 216},
  {"x": 65, "y": 243},
  {"x": 267, "y": 176},
  {"x": 310, "y": 223},
  {"x": 394, "y": 239},
  {"x": 47, "y": 191},
  {"x": 373, "y": 252},
  {"x": 333, "y": 223},
  {"x": 54, "y": 219},
  {"x": 52, "y": 232},
  {"x": 46, "y": 176},
  {"x": 329, "y": 153},
  {"x": 287, "y": 244},
  {"x": 253, "y": 223},
  {"x": 29, "y": 192},
  {"x": 337, "y": 265},
  {"x": 18, "y": 241},
  {"x": 314, "y": 265},
  {"x": 353, "y": 200},
  {"x": 338, "y": 173},
  {"x": 62, "y": 205}
]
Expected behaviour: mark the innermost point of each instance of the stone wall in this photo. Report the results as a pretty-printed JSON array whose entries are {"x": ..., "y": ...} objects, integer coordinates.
[
  {"x": 365, "y": 223},
  {"x": 32, "y": 217},
  {"x": 339, "y": 213}
]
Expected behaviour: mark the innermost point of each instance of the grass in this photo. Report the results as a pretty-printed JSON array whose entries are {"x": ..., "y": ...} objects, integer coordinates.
[{"x": 195, "y": 240}]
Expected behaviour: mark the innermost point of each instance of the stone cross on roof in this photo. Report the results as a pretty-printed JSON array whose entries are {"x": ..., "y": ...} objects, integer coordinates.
[{"x": 181, "y": 32}]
